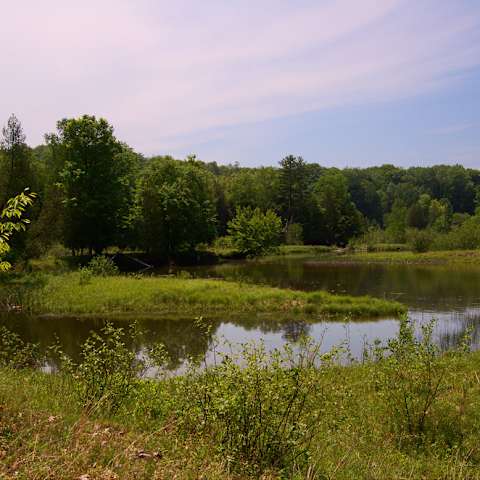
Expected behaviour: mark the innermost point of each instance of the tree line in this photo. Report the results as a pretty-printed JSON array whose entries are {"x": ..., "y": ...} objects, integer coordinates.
[{"x": 94, "y": 192}]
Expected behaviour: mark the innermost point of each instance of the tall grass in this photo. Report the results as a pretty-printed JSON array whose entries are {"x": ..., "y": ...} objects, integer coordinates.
[
  {"x": 72, "y": 294},
  {"x": 407, "y": 411}
]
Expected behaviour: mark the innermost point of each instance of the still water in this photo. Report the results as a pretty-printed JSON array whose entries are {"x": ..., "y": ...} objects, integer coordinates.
[{"x": 449, "y": 295}]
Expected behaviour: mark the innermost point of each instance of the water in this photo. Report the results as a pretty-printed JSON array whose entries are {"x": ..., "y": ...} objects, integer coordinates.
[{"x": 450, "y": 295}]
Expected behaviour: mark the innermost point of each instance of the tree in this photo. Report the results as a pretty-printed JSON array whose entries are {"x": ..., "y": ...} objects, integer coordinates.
[
  {"x": 293, "y": 188},
  {"x": 396, "y": 223},
  {"x": 336, "y": 218},
  {"x": 16, "y": 161},
  {"x": 254, "y": 232},
  {"x": 12, "y": 221},
  {"x": 175, "y": 206},
  {"x": 96, "y": 177}
]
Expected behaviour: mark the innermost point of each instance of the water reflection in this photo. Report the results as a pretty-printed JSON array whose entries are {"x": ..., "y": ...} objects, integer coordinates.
[{"x": 450, "y": 295}]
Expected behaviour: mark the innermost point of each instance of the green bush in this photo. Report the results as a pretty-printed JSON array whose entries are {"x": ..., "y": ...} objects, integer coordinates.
[
  {"x": 419, "y": 240},
  {"x": 258, "y": 406},
  {"x": 16, "y": 353},
  {"x": 254, "y": 232},
  {"x": 465, "y": 236},
  {"x": 410, "y": 379},
  {"x": 109, "y": 369},
  {"x": 102, "y": 266},
  {"x": 294, "y": 234}
]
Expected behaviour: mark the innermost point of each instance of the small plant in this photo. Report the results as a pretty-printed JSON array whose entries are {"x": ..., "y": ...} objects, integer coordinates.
[
  {"x": 257, "y": 405},
  {"x": 419, "y": 241},
  {"x": 15, "y": 352},
  {"x": 102, "y": 266},
  {"x": 411, "y": 378},
  {"x": 109, "y": 368}
]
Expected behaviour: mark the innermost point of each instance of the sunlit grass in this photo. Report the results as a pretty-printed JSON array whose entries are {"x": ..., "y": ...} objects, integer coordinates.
[{"x": 68, "y": 294}]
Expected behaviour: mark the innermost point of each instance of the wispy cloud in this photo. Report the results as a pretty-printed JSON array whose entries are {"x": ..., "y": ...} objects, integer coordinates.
[
  {"x": 452, "y": 129},
  {"x": 161, "y": 71}
]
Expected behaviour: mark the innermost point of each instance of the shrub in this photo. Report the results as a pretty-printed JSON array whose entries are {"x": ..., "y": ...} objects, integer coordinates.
[
  {"x": 102, "y": 266},
  {"x": 16, "y": 353},
  {"x": 419, "y": 240},
  {"x": 294, "y": 234},
  {"x": 109, "y": 369},
  {"x": 410, "y": 379},
  {"x": 259, "y": 407},
  {"x": 255, "y": 233}
]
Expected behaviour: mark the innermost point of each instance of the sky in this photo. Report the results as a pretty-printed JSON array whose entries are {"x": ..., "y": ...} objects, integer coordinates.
[{"x": 339, "y": 82}]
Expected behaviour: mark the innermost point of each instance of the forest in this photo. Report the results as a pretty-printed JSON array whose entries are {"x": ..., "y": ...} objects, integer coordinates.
[{"x": 94, "y": 192}]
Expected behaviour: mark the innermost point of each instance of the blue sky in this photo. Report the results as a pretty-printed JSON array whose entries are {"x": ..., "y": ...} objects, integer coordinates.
[{"x": 340, "y": 82}]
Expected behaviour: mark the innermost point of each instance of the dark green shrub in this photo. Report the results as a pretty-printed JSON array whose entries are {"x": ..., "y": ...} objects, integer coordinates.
[{"x": 419, "y": 240}]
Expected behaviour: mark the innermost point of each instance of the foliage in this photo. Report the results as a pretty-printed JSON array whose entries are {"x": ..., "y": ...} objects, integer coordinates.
[
  {"x": 96, "y": 192},
  {"x": 293, "y": 188},
  {"x": 336, "y": 218},
  {"x": 253, "y": 232},
  {"x": 108, "y": 370},
  {"x": 102, "y": 266},
  {"x": 256, "y": 405},
  {"x": 294, "y": 234},
  {"x": 412, "y": 380},
  {"x": 96, "y": 178},
  {"x": 16, "y": 165},
  {"x": 419, "y": 240},
  {"x": 16, "y": 353},
  {"x": 11, "y": 221},
  {"x": 175, "y": 206}
]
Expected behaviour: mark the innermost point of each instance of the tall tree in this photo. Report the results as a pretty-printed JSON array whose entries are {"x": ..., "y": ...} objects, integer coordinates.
[
  {"x": 293, "y": 188},
  {"x": 336, "y": 217},
  {"x": 175, "y": 206},
  {"x": 15, "y": 168},
  {"x": 95, "y": 180}
]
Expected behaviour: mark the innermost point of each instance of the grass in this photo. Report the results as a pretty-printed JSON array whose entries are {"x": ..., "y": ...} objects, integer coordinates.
[
  {"x": 72, "y": 294},
  {"x": 46, "y": 433},
  {"x": 451, "y": 257}
]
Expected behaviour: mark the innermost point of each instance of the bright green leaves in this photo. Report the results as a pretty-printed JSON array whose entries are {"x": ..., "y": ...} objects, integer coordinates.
[{"x": 12, "y": 221}]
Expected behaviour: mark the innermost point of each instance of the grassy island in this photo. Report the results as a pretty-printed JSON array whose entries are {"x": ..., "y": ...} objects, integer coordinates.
[{"x": 72, "y": 294}]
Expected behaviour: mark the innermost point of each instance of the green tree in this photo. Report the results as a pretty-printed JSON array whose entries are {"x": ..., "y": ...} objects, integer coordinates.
[
  {"x": 396, "y": 222},
  {"x": 254, "y": 232},
  {"x": 336, "y": 218},
  {"x": 96, "y": 177},
  {"x": 16, "y": 171},
  {"x": 175, "y": 206},
  {"x": 293, "y": 188}
]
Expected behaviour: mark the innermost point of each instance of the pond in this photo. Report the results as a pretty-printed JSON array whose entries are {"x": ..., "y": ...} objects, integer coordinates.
[{"x": 449, "y": 295}]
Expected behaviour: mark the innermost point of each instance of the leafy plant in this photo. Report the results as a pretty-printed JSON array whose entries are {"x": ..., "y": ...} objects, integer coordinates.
[
  {"x": 102, "y": 266},
  {"x": 419, "y": 240},
  {"x": 256, "y": 405},
  {"x": 253, "y": 232},
  {"x": 411, "y": 379},
  {"x": 109, "y": 369},
  {"x": 12, "y": 221},
  {"x": 15, "y": 352}
]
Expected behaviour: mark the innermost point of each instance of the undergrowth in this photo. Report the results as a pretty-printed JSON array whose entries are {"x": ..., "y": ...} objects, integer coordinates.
[{"x": 406, "y": 411}]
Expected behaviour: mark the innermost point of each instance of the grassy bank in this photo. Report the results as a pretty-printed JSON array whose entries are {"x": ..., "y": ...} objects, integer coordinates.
[
  {"x": 451, "y": 257},
  {"x": 72, "y": 294},
  {"x": 265, "y": 420}
]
